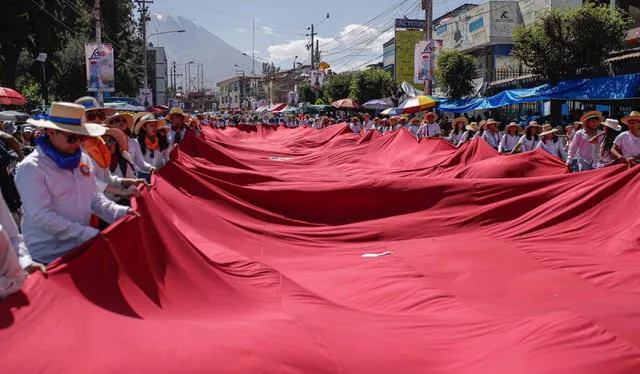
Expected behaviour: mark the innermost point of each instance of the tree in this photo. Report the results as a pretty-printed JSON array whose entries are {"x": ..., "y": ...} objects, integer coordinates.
[
  {"x": 269, "y": 68},
  {"x": 320, "y": 102},
  {"x": 568, "y": 44},
  {"x": 306, "y": 94},
  {"x": 371, "y": 84},
  {"x": 337, "y": 88},
  {"x": 455, "y": 73}
]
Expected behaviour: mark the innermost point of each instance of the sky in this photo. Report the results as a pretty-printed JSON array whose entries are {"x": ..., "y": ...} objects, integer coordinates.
[{"x": 350, "y": 38}]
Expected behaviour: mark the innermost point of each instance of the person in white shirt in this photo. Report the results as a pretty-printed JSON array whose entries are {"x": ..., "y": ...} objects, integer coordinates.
[
  {"x": 367, "y": 123},
  {"x": 154, "y": 146},
  {"x": 179, "y": 125},
  {"x": 458, "y": 130},
  {"x": 430, "y": 129},
  {"x": 414, "y": 127},
  {"x": 491, "y": 135},
  {"x": 510, "y": 138},
  {"x": 529, "y": 140},
  {"x": 550, "y": 142},
  {"x": 58, "y": 186},
  {"x": 354, "y": 125},
  {"x": 472, "y": 130},
  {"x": 580, "y": 149},
  {"x": 626, "y": 148},
  {"x": 611, "y": 130},
  {"x": 125, "y": 123}
]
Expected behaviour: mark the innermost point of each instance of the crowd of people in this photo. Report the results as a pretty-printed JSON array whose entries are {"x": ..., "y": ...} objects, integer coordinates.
[{"x": 80, "y": 164}]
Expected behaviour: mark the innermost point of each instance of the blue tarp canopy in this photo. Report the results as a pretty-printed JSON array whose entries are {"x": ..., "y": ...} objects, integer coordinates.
[{"x": 607, "y": 88}]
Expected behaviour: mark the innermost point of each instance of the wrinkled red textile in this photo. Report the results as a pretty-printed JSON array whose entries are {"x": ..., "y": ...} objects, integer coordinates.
[{"x": 248, "y": 259}]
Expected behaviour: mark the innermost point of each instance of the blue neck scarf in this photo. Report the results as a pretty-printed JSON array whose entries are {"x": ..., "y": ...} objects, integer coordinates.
[{"x": 63, "y": 160}]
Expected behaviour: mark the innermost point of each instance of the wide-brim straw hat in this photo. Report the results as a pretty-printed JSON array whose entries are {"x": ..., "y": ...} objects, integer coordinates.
[
  {"x": 513, "y": 124},
  {"x": 120, "y": 138},
  {"x": 492, "y": 121},
  {"x": 546, "y": 127},
  {"x": 90, "y": 104},
  {"x": 635, "y": 115},
  {"x": 126, "y": 116},
  {"x": 473, "y": 126},
  {"x": 533, "y": 124},
  {"x": 613, "y": 124},
  {"x": 68, "y": 117},
  {"x": 552, "y": 131},
  {"x": 458, "y": 120},
  {"x": 431, "y": 115},
  {"x": 592, "y": 114},
  {"x": 148, "y": 118},
  {"x": 178, "y": 111}
]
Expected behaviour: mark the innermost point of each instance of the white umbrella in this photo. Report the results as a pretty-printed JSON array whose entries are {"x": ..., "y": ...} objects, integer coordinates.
[{"x": 376, "y": 104}]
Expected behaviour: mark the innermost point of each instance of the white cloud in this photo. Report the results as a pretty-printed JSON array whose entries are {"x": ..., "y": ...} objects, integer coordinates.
[{"x": 267, "y": 30}]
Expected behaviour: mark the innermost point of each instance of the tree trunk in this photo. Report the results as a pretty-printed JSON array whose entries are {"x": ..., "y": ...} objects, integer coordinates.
[
  {"x": 556, "y": 112},
  {"x": 11, "y": 53}
]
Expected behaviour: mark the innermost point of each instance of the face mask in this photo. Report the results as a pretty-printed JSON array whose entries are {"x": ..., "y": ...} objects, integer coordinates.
[{"x": 63, "y": 160}]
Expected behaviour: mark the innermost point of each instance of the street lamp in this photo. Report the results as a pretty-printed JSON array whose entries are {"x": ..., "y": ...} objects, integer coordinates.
[
  {"x": 42, "y": 59},
  {"x": 146, "y": 83}
]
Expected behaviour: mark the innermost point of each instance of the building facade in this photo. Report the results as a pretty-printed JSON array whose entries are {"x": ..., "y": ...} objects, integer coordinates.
[
  {"x": 240, "y": 92},
  {"x": 158, "y": 74}
]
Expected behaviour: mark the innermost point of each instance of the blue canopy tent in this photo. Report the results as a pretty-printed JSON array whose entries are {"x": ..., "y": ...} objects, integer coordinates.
[{"x": 589, "y": 89}]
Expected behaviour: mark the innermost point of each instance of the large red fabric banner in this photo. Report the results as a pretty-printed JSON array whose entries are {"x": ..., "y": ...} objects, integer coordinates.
[{"x": 272, "y": 250}]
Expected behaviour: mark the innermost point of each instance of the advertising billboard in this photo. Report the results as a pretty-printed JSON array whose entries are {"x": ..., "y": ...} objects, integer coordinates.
[
  {"x": 406, "y": 41},
  {"x": 424, "y": 59},
  {"x": 529, "y": 8},
  {"x": 100, "y": 67}
]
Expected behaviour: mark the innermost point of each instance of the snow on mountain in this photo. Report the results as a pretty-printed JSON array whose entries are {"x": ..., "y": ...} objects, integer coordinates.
[{"x": 198, "y": 45}]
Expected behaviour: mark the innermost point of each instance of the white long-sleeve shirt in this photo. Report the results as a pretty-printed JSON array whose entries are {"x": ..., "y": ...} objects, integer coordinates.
[
  {"x": 508, "y": 142},
  {"x": 58, "y": 204},
  {"x": 466, "y": 136},
  {"x": 454, "y": 137},
  {"x": 580, "y": 147},
  {"x": 355, "y": 127},
  {"x": 369, "y": 125},
  {"x": 429, "y": 130},
  {"x": 140, "y": 163},
  {"x": 11, "y": 275},
  {"x": 553, "y": 148},
  {"x": 527, "y": 144},
  {"x": 493, "y": 139}
]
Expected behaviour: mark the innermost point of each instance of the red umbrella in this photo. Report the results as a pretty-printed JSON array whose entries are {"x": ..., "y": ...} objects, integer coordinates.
[
  {"x": 11, "y": 97},
  {"x": 346, "y": 104}
]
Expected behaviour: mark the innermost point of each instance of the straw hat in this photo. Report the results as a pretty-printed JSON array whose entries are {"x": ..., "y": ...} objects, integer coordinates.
[
  {"x": 592, "y": 114},
  {"x": 546, "y": 127},
  {"x": 492, "y": 121},
  {"x": 533, "y": 124},
  {"x": 120, "y": 138},
  {"x": 68, "y": 117},
  {"x": 459, "y": 119},
  {"x": 148, "y": 118},
  {"x": 431, "y": 116},
  {"x": 473, "y": 126},
  {"x": 613, "y": 124},
  {"x": 415, "y": 121},
  {"x": 514, "y": 124},
  {"x": 90, "y": 104},
  {"x": 635, "y": 115},
  {"x": 177, "y": 111},
  {"x": 550, "y": 131},
  {"x": 126, "y": 116}
]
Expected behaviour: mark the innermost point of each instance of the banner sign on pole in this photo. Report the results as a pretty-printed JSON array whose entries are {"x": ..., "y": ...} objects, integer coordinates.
[
  {"x": 100, "y": 67},
  {"x": 146, "y": 97},
  {"x": 424, "y": 60}
]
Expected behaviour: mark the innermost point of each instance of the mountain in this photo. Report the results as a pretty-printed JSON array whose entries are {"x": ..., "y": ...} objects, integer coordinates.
[{"x": 198, "y": 45}]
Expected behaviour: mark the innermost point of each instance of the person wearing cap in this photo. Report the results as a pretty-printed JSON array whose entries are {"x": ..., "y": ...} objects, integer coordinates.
[
  {"x": 626, "y": 147},
  {"x": 510, "y": 138},
  {"x": 611, "y": 129},
  {"x": 367, "y": 124},
  {"x": 430, "y": 129},
  {"x": 550, "y": 142},
  {"x": 491, "y": 134},
  {"x": 458, "y": 130},
  {"x": 59, "y": 188},
  {"x": 179, "y": 125},
  {"x": 153, "y": 144},
  {"x": 529, "y": 140},
  {"x": 125, "y": 123},
  {"x": 470, "y": 133},
  {"x": 580, "y": 149}
]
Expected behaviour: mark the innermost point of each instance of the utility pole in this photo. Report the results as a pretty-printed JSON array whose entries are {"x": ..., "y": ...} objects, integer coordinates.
[
  {"x": 143, "y": 24},
  {"x": 253, "y": 49},
  {"x": 310, "y": 46},
  {"x": 98, "y": 19},
  {"x": 427, "y": 5}
]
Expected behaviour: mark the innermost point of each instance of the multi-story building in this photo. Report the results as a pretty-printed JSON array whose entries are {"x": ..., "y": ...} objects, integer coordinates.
[
  {"x": 158, "y": 74},
  {"x": 240, "y": 92}
]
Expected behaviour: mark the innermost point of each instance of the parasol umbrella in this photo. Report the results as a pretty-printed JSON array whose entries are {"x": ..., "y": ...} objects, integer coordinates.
[
  {"x": 12, "y": 116},
  {"x": 417, "y": 104},
  {"x": 11, "y": 97},
  {"x": 346, "y": 104},
  {"x": 376, "y": 104},
  {"x": 391, "y": 112}
]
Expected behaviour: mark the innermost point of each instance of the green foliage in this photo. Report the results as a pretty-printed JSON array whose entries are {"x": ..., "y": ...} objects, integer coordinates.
[
  {"x": 337, "y": 88},
  {"x": 567, "y": 44},
  {"x": 371, "y": 84},
  {"x": 269, "y": 68},
  {"x": 455, "y": 73},
  {"x": 320, "y": 102},
  {"x": 306, "y": 94}
]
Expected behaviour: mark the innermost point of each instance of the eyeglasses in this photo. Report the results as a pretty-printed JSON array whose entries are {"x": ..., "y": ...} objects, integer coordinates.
[
  {"x": 94, "y": 115},
  {"x": 73, "y": 138},
  {"x": 109, "y": 141}
]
